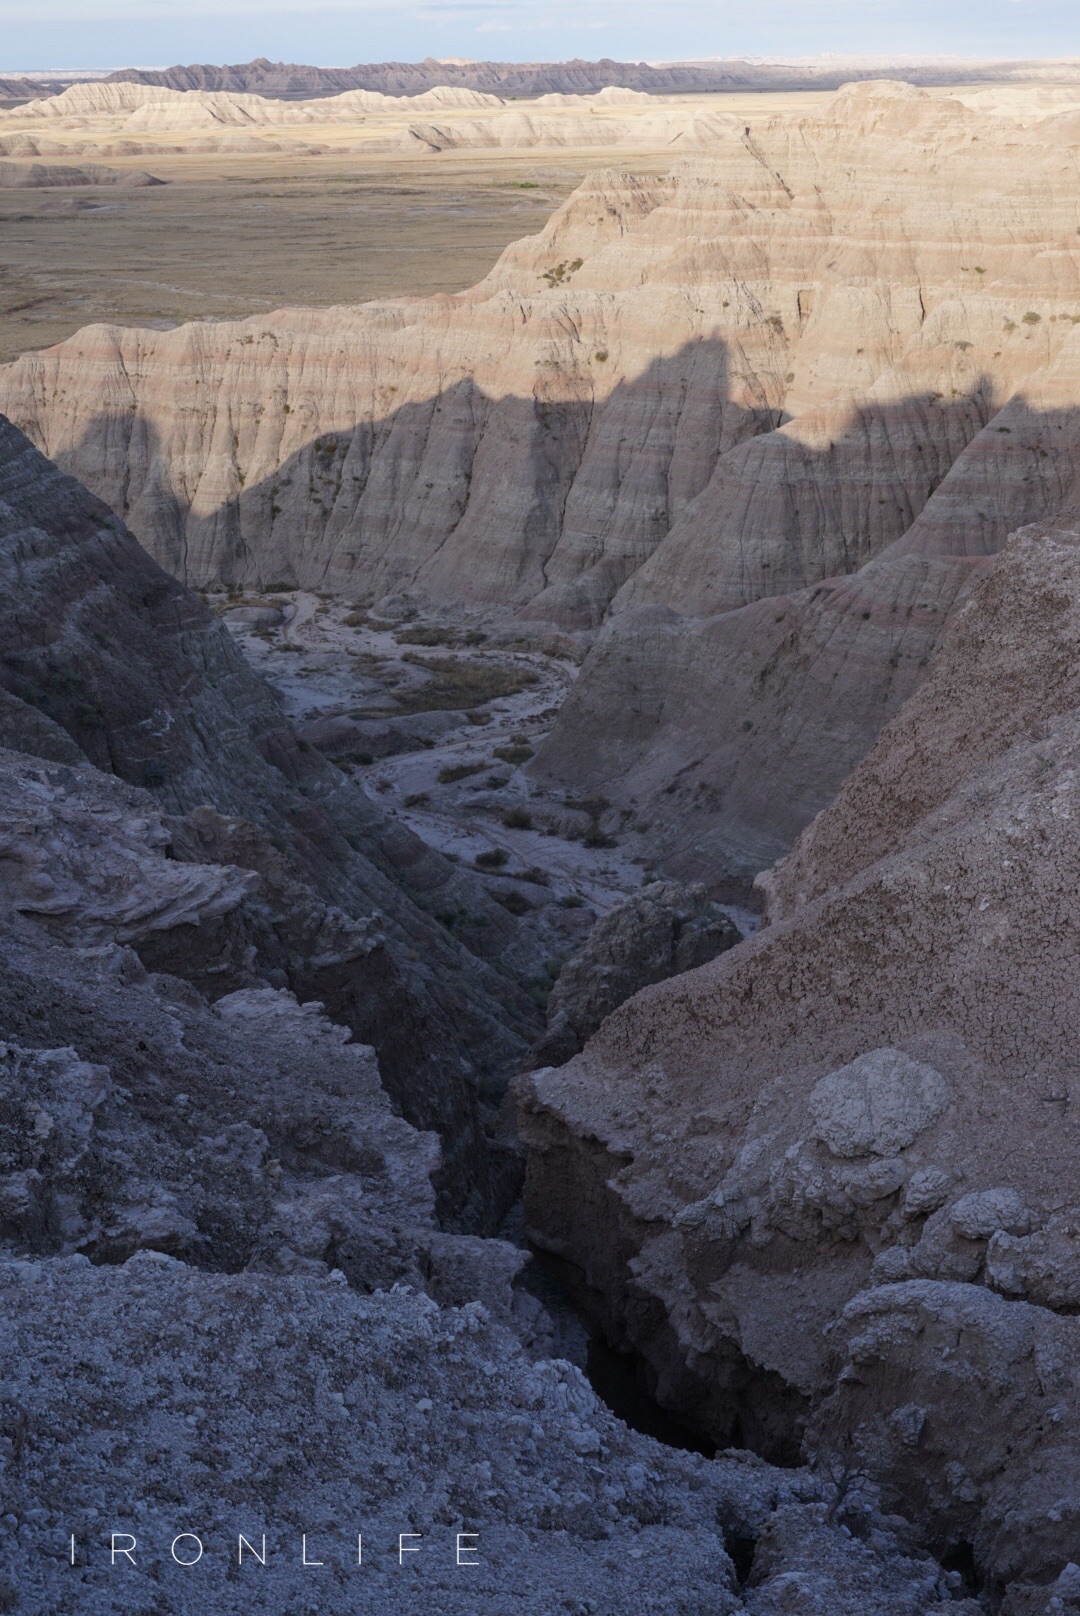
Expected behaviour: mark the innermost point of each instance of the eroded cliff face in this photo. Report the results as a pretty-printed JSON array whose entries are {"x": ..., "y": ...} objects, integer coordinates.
[
  {"x": 810, "y": 1164},
  {"x": 221, "y": 1259},
  {"x": 769, "y": 414},
  {"x": 838, "y": 289},
  {"x": 109, "y": 662}
]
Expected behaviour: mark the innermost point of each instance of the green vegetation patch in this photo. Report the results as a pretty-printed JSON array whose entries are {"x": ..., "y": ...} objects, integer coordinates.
[
  {"x": 456, "y": 682},
  {"x": 435, "y": 634},
  {"x": 459, "y": 771},
  {"x": 364, "y": 620}
]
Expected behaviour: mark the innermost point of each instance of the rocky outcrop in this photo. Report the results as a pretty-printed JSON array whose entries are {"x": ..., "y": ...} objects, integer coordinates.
[
  {"x": 664, "y": 929},
  {"x": 42, "y": 176},
  {"x": 965, "y": 1405},
  {"x": 426, "y": 1420},
  {"x": 194, "y": 107},
  {"x": 661, "y": 373},
  {"x": 773, "y": 445},
  {"x": 129, "y": 118},
  {"x": 220, "y": 1260},
  {"x": 107, "y": 661},
  {"x": 850, "y": 1138}
]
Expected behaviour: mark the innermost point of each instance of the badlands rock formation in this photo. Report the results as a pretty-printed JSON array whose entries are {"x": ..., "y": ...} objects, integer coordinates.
[
  {"x": 107, "y": 661},
  {"x": 228, "y": 1306},
  {"x": 199, "y": 108},
  {"x": 662, "y": 931},
  {"x": 40, "y": 176},
  {"x": 518, "y": 79},
  {"x": 770, "y": 414},
  {"x": 831, "y": 1175},
  {"x": 125, "y": 118}
]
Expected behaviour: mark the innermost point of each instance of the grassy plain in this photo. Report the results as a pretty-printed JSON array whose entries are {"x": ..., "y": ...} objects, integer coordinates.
[{"x": 239, "y": 233}]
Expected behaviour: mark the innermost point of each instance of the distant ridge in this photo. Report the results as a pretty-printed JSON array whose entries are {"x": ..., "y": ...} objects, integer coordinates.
[{"x": 292, "y": 81}]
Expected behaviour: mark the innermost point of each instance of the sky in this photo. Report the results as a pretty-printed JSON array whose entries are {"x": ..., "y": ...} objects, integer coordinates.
[{"x": 157, "y": 33}]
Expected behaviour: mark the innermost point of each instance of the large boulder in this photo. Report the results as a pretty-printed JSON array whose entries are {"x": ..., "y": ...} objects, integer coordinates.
[{"x": 665, "y": 928}]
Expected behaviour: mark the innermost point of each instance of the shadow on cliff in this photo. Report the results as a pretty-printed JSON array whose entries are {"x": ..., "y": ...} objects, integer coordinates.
[
  {"x": 546, "y": 503},
  {"x": 734, "y": 726},
  {"x": 718, "y": 735},
  {"x": 550, "y": 501}
]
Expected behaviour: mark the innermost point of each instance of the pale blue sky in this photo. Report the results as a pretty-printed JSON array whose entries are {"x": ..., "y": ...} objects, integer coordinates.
[{"x": 108, "y": 33}]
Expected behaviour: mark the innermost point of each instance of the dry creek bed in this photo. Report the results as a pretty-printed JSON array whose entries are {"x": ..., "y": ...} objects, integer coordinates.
[{"x": 419, "y": 709}]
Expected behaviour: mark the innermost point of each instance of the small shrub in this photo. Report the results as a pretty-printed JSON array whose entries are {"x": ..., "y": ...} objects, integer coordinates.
[
  {"x": 1031, "y": 318},
  {"x": 517, "y": 819},
  {"x": 537, "y": 876},
  {"x": 459, "y": 771},
  {"x": 493, "y": 858},
  {"x": 363, "y": 620},
  {"x": 456, "y": 682},
  {"x": 426, "y": 634},
  {"x": 359, "y": 757},
  {"x": 571, "y": 901},
  {"x": 596, "y": 838},
  {"x": 415, "y": 799},
  {"x": 515, "y": 901},
  {"x": 601, "y": 356},
  {"x": 514, "y": 753}
]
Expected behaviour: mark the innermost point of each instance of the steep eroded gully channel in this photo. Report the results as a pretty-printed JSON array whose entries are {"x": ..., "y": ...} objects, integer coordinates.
[{"x": 436, "y": 716}]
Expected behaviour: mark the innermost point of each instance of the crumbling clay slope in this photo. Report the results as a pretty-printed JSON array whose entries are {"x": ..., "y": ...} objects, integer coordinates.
[
  {"x": 109, "y": 661},
  {"x": 854, "y": 1137}
]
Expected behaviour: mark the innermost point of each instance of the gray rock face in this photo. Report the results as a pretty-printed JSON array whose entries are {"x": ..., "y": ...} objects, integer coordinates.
[
  {"x": 991, "y": 1458},
  {"x": 294, "y": 1408},
  {"x": 107, "y": 660},
  {"x": 229, "y": 1307},
  {"x": 665, "y": 928},
  {"x": 834, "y": 1169},
  {"x": 272, "y": 1336}
]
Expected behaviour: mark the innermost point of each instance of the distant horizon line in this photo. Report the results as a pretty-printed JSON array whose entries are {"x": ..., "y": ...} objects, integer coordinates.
[{"x": 827, "y": 57}]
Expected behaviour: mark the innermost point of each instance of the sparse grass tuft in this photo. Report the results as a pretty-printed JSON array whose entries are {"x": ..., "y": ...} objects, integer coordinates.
[
  {"x": 493, "y": 858},
  {"x": 517, "y": 819},
  {"x": 459, "y": 771},
  {"x": 456, "y": 682}
]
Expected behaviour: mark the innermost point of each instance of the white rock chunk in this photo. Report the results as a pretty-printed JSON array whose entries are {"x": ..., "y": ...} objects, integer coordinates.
[{"x": 878, "y": 1104}]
